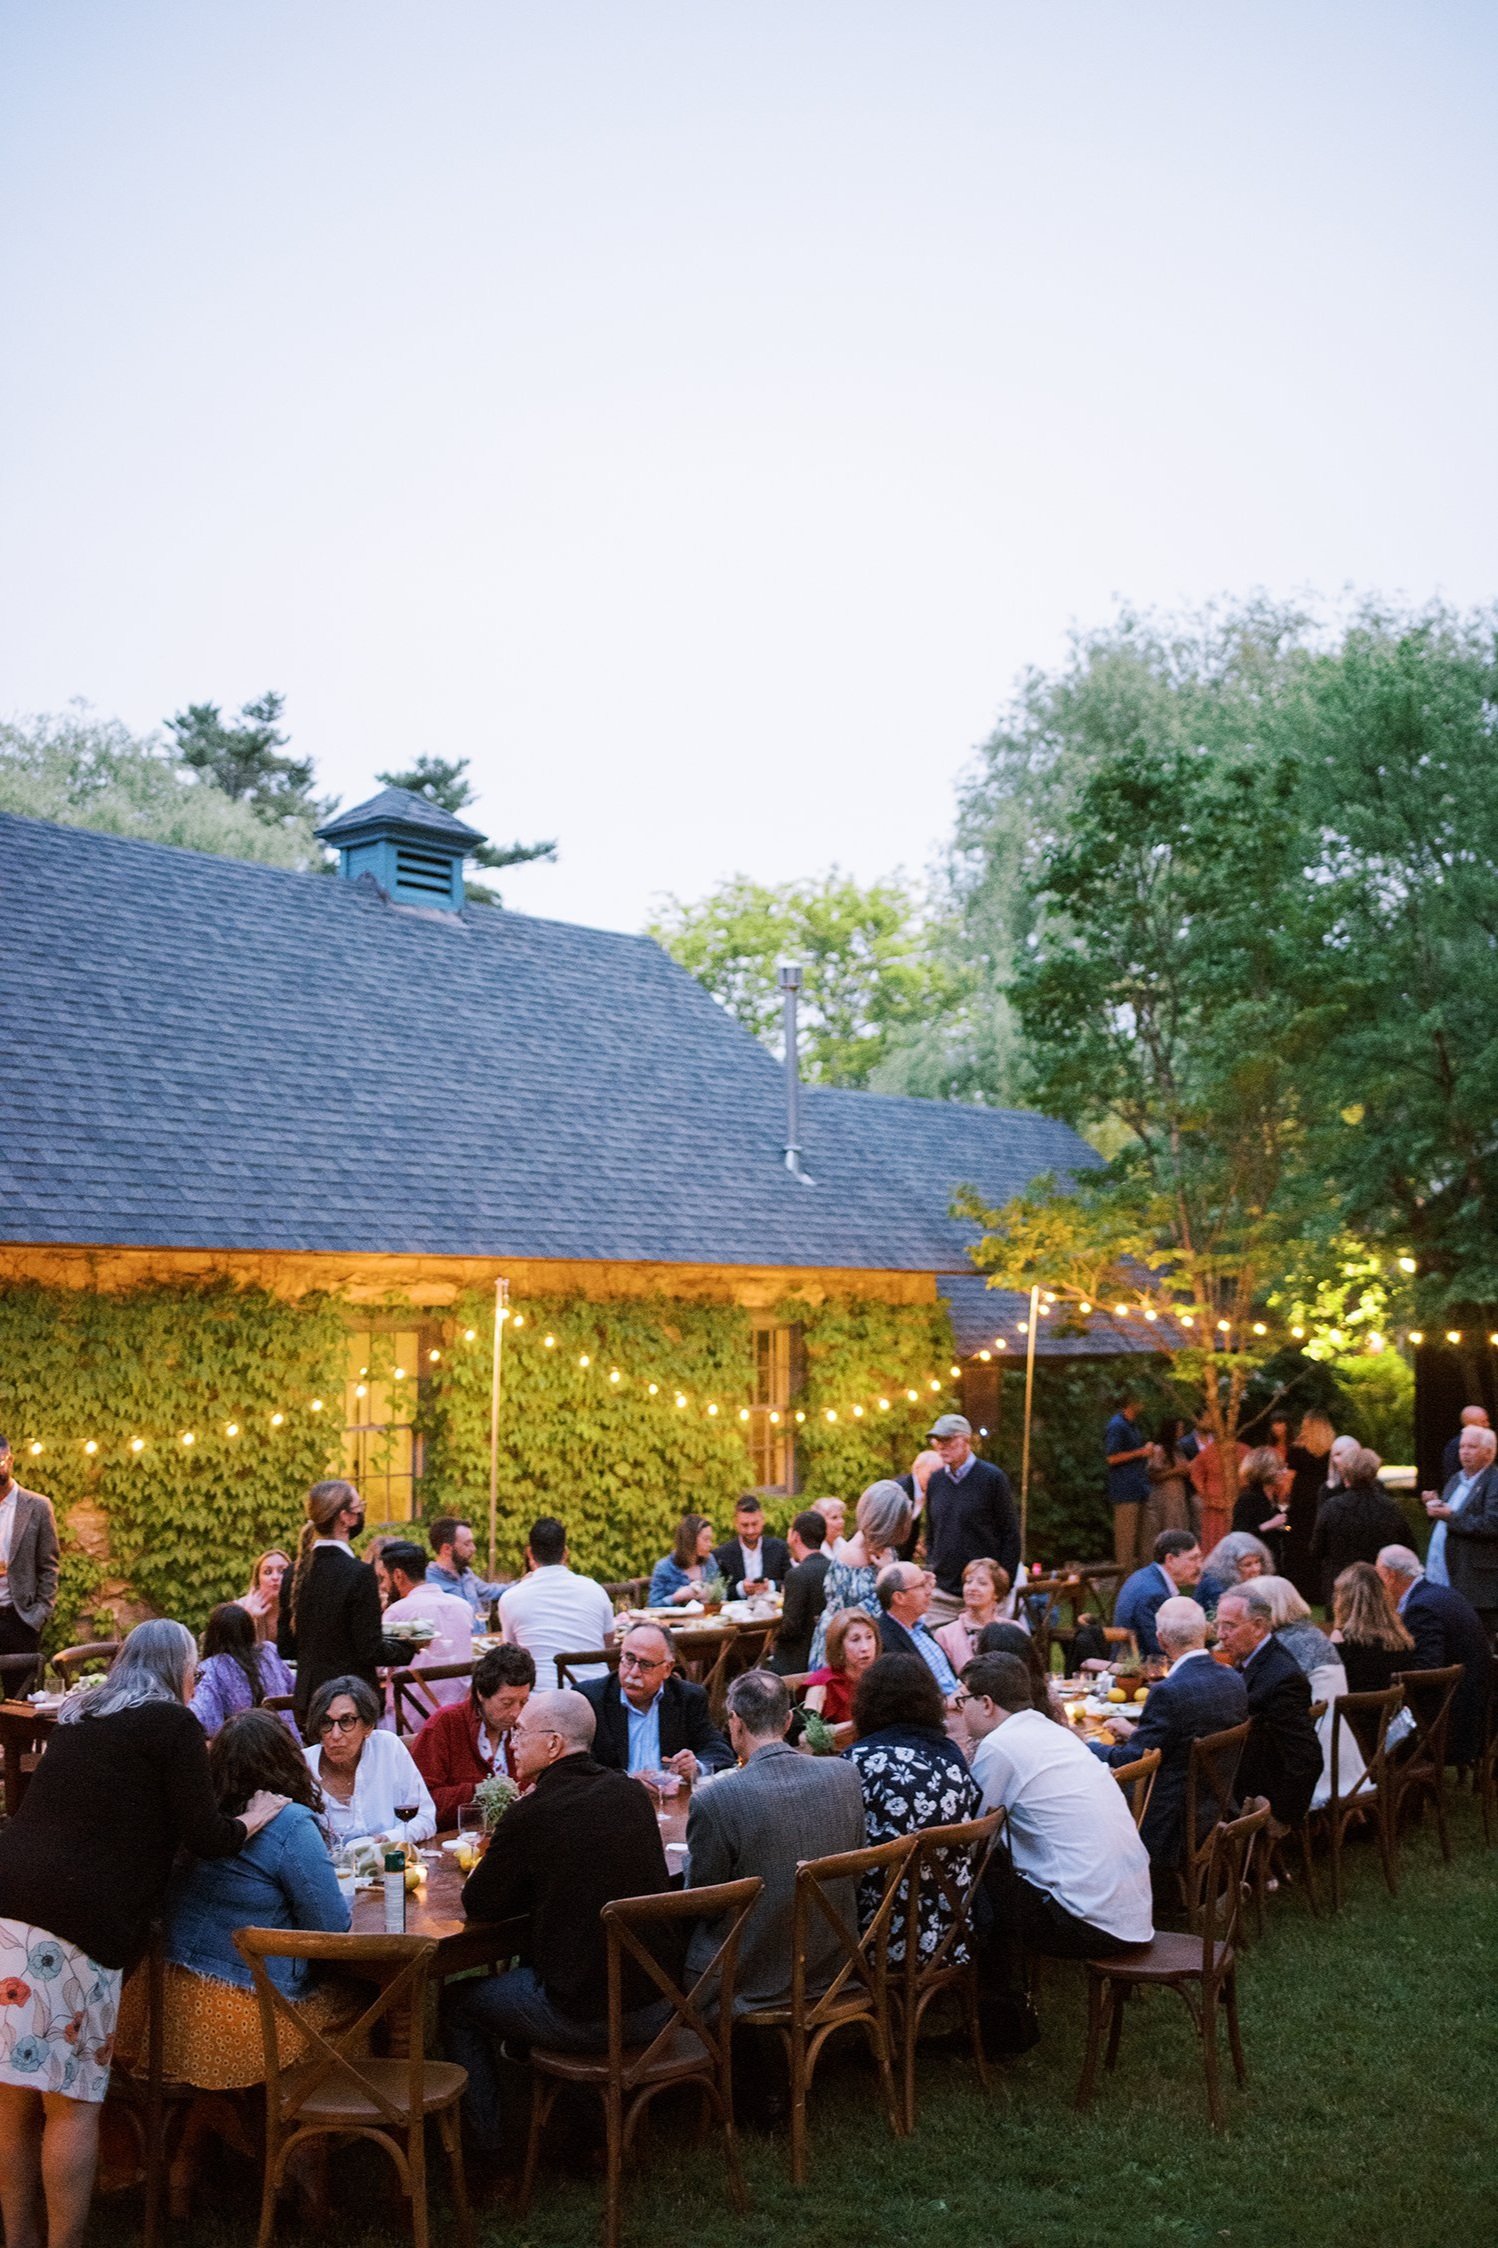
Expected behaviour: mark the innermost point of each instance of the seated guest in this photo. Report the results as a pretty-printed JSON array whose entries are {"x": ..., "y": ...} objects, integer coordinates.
[
  {"x": 883, "y": 1526},
  {"x": 984, "y": 1586},
  {"x": 237, "y": 1671},
  {"x": 804, "y": 1588},
  {"x": 1321, "y": 1661},
  {"x": 1013, "y": 1639},
  {"x": 679, "y": 1577},
  {"x": 263, "y": 1600},
  {"x": 1175, "y": 1569},
  {"x": 1446, "y": 1629},
  {"x": 904, "y": 1594},
  {"x": 363, "y": 1773},
  {"x": 1195, "y": 1697},
  {"x": 451, "y": 1566},
  {"x": 1370, "y": 1638},
  {"x": 647, "y": 1719},
  {"x": 778, "y": 1808},
  {"x": 577, "y": 1839},
  {"x": 1263, "y": 1487},
  {"x": 911, "y": 1773},
  {"x": 413, "y": 1600},
  {"x": 1231, "y": 1561},
  {"x": 750, "y": 1561},
  {"x": 283, "y": 1878},
  {"x": 1074, "y": 1879},
  {"x": 1354, "y": 1522},
  {"x": 554, "y": 1611},
  {"x": 469, "y": 1741},
  {"x": 852, "y": 1644},
  {"x": 1294, "y": 1626},
  {"x": 1283, "y": 1758}
]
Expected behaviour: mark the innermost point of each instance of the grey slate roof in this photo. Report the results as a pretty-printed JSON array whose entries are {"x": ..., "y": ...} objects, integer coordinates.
[
  {"x": 204, "y": 1053},
  {"x": 404, "y": 807}
]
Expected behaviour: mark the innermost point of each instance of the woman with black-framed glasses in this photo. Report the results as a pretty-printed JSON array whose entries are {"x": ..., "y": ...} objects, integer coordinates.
[{"x": 367, "y": 1777}]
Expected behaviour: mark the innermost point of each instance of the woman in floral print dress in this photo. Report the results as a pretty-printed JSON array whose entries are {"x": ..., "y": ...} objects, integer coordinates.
[{"x": 913, "y": 1776}]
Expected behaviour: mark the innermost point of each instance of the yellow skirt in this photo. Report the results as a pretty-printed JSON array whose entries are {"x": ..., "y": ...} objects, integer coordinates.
[{"x": 211, "y": 2030}]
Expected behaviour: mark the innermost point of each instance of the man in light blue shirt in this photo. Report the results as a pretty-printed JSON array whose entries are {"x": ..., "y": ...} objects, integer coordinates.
[
  {"x": 452, "y": 1570},
  {"x": 904, "y": 1593}
]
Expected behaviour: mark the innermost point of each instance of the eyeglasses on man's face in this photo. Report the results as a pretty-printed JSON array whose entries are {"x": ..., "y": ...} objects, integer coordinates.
[{"x": 629, "y": 1661}]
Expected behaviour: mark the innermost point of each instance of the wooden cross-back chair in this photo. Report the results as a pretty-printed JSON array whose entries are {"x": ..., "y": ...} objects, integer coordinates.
[
  {"x": 1201, "y": 1967},
  {"x": 410, "y": 1702},
  {"x": 694, "y": 2047},
  {"x": 627, "y": 1593},
  {"x": 706, "y": 1657},
  {"x": 1354, "y": 1795},
  {"x": 90, "y": 1653},
  {"x": 337, "y": 2090},
  {"x": 1420, "y": 1773},
  {"x": 1042, "y": 1600},
  {"x": 947, "y": 1864},
  {"x": 1138, "y": 1782},
  {"x": 1211, "y": 1778},
  {"x": 589, "y": 1658},
  {"x": 857, "y": 1994}
]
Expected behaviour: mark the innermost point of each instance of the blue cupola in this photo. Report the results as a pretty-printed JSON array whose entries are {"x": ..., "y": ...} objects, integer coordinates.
[{"x": 413, "y": 849}]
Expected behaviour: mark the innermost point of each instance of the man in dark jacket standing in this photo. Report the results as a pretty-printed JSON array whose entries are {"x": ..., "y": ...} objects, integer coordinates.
[
  {"x": 648, "y": 1719},
  {"x": 969, "y": 1515},
  {"x": 805, "y": 1588},
  {"x": 28, "y": 1570},
  {"x": 1463, "y": 1550},
  {"x": 1283, "y": 1756}
]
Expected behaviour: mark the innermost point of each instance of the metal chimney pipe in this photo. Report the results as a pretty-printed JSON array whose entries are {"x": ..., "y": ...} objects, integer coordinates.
[{"x": 789, "y": 978}]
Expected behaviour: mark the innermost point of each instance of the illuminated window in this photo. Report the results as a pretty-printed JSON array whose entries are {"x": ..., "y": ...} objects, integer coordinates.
[
  {"x": 382, "y": 1452},
  {"x": 772, "y": 1396}
]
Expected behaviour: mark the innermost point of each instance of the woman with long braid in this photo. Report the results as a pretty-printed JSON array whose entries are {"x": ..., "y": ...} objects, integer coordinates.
[{"x": 330, "y": 1615}]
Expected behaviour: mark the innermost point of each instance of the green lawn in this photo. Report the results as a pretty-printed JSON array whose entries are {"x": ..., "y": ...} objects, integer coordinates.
[{"x": 1371, "y": 2117}]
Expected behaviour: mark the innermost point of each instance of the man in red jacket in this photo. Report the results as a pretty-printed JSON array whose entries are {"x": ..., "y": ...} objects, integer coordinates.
[{"x": 469, "y": 1740}]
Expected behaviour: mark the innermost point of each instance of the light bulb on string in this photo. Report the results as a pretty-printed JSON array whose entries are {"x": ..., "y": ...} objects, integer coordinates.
[
  {"x": 1416, "y": 1336},
  {"x": 800, "y": 1416},
  {"x": 615, "y": 1375},
  {"x": 231, "y": 1428},
  {"x": 584, "y": 1359},
  {"x": 549, "y": 1342},
  {"x": 470, "y": 1334},
  {"x": 1453, "y": 1334},
  {"x": 744, "y": 1414},
  {"x": 999, "y": 1344},
  {"x": 1084, "y": 1309},
  {"x": 1187, "y": 1320},
  {"x": 884, "y": 1404},
  {"x": 712, "y": 1412},
  {"x": 188, "y": 1436},
  {"x": 1120, "y": 1311},
  {"x": 914, "y": 1395},
  {"x": 831, "y": 1415},
  {"x": 986, "y": 1356},
  {"x": 1260, "y": 1328},
  {"x": 91, "y": 1446},
  {"x": 137, "y": 1443},
  {"x": 1150, "y": 1312},
  {"x": 858, "y": 1412},
  {"x": 1224, "y": 1327},
  {"x": 35, "y": 1450},
  {"x": 277, "y": 1419}
]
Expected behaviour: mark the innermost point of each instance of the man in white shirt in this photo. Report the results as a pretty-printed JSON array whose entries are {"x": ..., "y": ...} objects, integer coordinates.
[
  {"x": 553, "y": 1611},
  {"x": 1075, "y": 1883},
  {"x": 415, "y": 1600}
]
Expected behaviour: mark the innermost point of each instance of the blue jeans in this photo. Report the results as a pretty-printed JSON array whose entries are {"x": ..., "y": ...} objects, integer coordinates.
[{"x": 478, "y": 2012}]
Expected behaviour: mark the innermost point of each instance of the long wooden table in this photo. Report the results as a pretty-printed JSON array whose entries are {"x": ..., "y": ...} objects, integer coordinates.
[{"x": 24, "y": 1729}]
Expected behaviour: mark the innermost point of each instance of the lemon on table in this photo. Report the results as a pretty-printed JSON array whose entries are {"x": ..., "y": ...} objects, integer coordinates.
[
  {"x": 1117, "y": 1694},
  {"x": 1141, "y": 1693}
]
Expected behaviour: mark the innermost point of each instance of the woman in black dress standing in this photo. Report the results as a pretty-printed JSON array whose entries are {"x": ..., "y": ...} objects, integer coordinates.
[{"x": 330, "y": 1604}]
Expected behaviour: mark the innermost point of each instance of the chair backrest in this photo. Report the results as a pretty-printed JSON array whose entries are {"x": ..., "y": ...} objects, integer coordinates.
[
  {"x": 1428, "y": 1696},
  {"x": 1367, "y": 1718},
  {"x": 68, "y": 1661},
  {"x": 707, "y": 1658},
  {"x": 1228, "y": 1849},
  {"x": 862, "y": 1955},
  {"x": 706, "y": 2010},
  {"x": 947, "y": 1866},
  {"x": 797, "y": 1683},
  {"x": 568, "y": 1666},
  {"x": 752, "y": 1645},
  {"x": 627, "y": 1593},
  {"x": 411, "y": 1704},
  {"x": 1138, "y": 1782},
  {"x": 1101, "y": 1581},
  {"x": 1211, "y": 1777},
  {"x": 399, "y": 1964}
]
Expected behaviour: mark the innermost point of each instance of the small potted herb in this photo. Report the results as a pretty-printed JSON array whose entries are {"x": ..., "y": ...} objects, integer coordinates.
[{"x": 494, "y": 1797}]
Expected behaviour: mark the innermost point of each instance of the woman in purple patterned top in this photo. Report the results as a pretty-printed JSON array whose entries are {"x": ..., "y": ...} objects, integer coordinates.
[{"x": 237, "y": 1671}]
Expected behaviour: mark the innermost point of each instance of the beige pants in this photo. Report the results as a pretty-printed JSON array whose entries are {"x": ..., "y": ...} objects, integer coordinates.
[{"x": 1126, "y": 1514}]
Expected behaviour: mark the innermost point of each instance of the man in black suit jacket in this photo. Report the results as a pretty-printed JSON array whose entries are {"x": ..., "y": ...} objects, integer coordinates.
[
  {"x": 805, "y": 1586},
  {"x": 749, "y": 1557},
  {"x": 1197, "y": 1696},
  {"x": 1446, "y": 1629},
  {"x": 969, "y": 1515},
  {"x": 649, "y": 1720},
  {"x": 1283, "y": 1758}
]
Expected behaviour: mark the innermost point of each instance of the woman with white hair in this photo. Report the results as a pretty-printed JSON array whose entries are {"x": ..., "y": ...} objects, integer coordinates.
[
  {"x": 883, "y": 1526},
  {"x": 1314, "y": 1653},
  {"x": 84, "y": 1864},
  {"x": 1240, "y": 1554}
]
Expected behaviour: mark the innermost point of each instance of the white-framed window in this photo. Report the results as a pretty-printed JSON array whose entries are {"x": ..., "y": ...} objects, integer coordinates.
[
  {"x": 382, "y": 1450},
  {"x": 774, "y": 1382}
]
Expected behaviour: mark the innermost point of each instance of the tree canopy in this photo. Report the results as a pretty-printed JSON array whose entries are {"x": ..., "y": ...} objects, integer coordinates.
[{"x": 242, "y": 757}]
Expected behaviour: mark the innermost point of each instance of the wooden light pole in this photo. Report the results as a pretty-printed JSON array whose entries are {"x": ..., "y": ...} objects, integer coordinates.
[{"x": 501, "y": 1313}]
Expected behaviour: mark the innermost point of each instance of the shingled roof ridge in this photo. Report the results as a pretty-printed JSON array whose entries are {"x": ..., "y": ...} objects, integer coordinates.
[{"x": 404, "y": 805}]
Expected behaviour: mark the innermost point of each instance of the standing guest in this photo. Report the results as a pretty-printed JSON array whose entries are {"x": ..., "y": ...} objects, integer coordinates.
[
  {"x": 649, "y": 1721},
  {"x": 1209, "y": 1481},
  {"x": 364, "y": 1774},
  {"x": 679, "y": 1577},
  {"x": 471, "y": 1740},
  {"x": 1263, "y": 1483},
  {"x": 778, "y": 1809},
  {"x": 750, "y": 1562},
  {"x": 1463, "y": 1549},
  {"x": 1473, "y": 1416},
  {"x": 835, "y": 1515},
  {"x": 1446, "y": 1629},
  {"x": 330, "y": 1615},
  {"x": 237, "y": 1671},
  {"x": 1368, "y": 1635},
  {"x": 263, "y": 1600},
  {"x": 922, "y": 1468},
  {"x": 1232, "y": 1561},
  {"x": 1283, "y": 1758},
  {"x": 28, "y": 1569},
  {"x": 1073, "y": 1881},
  {"x": 1013, "y": 1639},
  {"x": 805, "y": 1588},
  {"x": 554, "y": 1611},
  {"x": 852, "y": 1644},
  {"x": 969, "y": 1514},
  {"x": 451, "y": 1566},
  {"x": 578, "y": 1838},
  {"x": 1172, "y": 1503},
  {"x": 984, "y": 1585},
  {"x": 1127, "y": 1451},
  {"x": 1355, "y": 1520},
  {"x": 84, "y": 1866},
  {"x": 912, "y": 1776},
  {"x": 415, "y": 1600},
  {"x": 1177, "y": 1566},
  {"x": 1307, "y": 1461},
  {"x": 883, "y": 1525},
  {"x": 1195, "y": 1697},
  {"x": 904, "y": 1595}
]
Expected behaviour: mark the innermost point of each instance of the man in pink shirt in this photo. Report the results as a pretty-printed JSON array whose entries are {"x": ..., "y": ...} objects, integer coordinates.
[{"x": 413, "y": 1600}]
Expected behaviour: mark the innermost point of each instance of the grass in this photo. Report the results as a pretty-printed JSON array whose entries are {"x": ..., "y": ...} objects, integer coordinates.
[{"x": 1371, "y": 2117}]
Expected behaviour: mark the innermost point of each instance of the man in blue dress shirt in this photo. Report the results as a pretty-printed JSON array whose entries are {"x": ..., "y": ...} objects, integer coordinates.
[{"x": 904, "y": 1594}]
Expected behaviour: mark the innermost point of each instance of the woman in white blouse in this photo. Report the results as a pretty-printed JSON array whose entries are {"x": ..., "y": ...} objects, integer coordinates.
[{"x": 364, "y": 1773}]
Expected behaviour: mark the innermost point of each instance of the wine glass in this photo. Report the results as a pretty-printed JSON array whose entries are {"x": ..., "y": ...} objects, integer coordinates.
[
  {"x": 470, "y": 1835},
  {"x": 666, "y": 1786}
]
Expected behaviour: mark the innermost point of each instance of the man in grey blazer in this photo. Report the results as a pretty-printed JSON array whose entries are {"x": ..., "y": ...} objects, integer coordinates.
[
  {"x": 28, "y": 1570},
  {"x": 776, "y": 1809}
]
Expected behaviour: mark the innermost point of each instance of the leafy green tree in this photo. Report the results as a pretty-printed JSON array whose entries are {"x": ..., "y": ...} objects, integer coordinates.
[
  {"x": 871, "y": 977},
  {"x": 241, "y": 756},
  {"x": 444, "y": 781}
]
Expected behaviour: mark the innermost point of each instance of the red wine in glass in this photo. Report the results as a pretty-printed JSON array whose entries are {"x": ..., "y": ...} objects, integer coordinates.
[{"x": 407, "y": 1811}]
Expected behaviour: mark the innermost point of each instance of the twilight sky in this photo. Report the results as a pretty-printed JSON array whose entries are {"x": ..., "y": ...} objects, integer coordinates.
[{"x": 699, "y": 414}]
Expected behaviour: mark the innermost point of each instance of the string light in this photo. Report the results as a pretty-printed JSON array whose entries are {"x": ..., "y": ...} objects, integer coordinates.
[
  {"x": 712, "y": 1412},
  {"x": 774, "y": 1419},
  {"x": 470, "y": 1334},
  {"x": 831, "y": 1415},
  {"x": 137, "y": 1443},
  {"x": 1415, "y": 1336},
  {"x": 1023, "y": 1326},
  {"x": 549, "y": 1342},
  {"x": 1084, "y": 1309},
  {"x": 91, "y": 1446},
  {"x": 519, "y": 1321},
  {"x": 1187, "y": 1320},
  {"x": 744, "y": 1414},
  {"x": 1298, "y": 1333},
  {"x": 680, "y": 1400},
  {"x": 276, "y": 1419},
  {"x": 884, "y": 1404},
  {"x": 1453, "y": 1334},
  {"x": 1222, "y": 1326},
  {"x": 914, "y": 1395},
  {"x": 999, "y": 1344},
  {"x": 654, "y": 1388},
  {"x": 987, "y": 1355},
  {"x": 584, "y": 1359},
  {"x": 361, "y": 1389},
  {"x": 858, "y": 1412},
  {"x": 399, "y": 1374},
  {"x": 188, "y": 1437},
  {"x": 231, "y": 1428},
  {"x": 615, "y": 1375},
  {"x": 1260, "y": 1328},
  {"x": 1120, "y": 1311},
  {"x": 1150, "y": 1312},
  {"x": 955, "y": 1372},
  {"x": 317, "y": 1404},
  {"x": 800, "y": 1416},
  {"x": 1407, "y": 1264},
  {"x": 434, "y": 1355}
]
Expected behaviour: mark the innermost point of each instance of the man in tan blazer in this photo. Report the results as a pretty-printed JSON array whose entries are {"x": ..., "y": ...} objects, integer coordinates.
[{"x": 28, "y": 1570}]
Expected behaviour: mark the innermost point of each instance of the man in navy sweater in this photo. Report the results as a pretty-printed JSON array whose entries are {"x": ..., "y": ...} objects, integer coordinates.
[
  {"x": 969, "y": 1515},
  {"x": 1176, "y": 1567}
]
